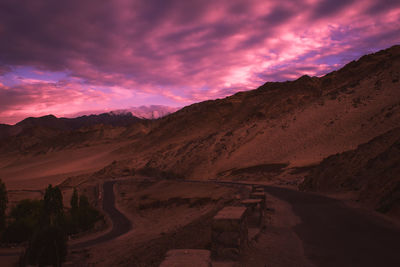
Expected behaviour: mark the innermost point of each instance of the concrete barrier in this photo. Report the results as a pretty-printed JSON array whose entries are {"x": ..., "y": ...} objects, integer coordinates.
[
  {"x": 255, "y": 212},
  {"x": 257, "y": 188},
  {"x": 259, "y": 195},
  {"x": 187, "y": 257},
  {"x": 229, "y": 233}
]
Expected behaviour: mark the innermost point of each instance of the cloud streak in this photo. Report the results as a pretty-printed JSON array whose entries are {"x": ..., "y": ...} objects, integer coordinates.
[{"x": 173, "y": 52}]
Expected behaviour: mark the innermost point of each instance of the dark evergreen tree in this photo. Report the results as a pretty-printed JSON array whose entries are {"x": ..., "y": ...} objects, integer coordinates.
[
  {"x": 53, "y": 205},
  {"x": 48, "y": 245},
  {"x": 83, "y": 202},
  {"x": 74, "y": 201},
  {"x": 3, "y": 204}
]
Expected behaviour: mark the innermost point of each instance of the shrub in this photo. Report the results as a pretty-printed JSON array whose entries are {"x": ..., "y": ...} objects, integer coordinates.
[
  {"x": 25, "y": 219},
  {"x": 82, "y": 217}
]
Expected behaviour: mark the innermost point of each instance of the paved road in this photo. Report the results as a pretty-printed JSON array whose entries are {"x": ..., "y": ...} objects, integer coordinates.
[
  {"x": 120, "y": 224},
  {"x": 334, "y": 234}
]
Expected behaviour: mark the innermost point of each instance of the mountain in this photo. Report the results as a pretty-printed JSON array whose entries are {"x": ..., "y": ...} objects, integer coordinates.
[
  {"x": 152, "y": 111},
  {"x": 49, "y": 126},
  {"x": 43, "y": 133},
  {"x": 293, "y": 123},
  {"x": 144, "y": 112}
]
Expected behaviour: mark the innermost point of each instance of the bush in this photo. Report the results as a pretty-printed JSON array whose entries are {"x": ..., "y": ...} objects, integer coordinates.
[
  {"x": 82, "y": 217},
  {"x": 18, "y": 232},
  {"x": 25, "y": 219}
]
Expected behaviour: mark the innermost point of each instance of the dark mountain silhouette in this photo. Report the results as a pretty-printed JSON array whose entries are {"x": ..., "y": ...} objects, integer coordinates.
[
  {"x": 40, "y": 134},
  {"x": 50, "y": 121}
]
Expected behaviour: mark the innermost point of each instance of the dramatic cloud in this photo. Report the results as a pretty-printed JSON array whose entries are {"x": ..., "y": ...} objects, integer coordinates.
[{"x": 103, "y": 54}]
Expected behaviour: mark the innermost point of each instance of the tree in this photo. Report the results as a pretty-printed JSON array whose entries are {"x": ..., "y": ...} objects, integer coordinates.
[
  {"x": 3, "y": 204},
  {"x": 48, "y": 245},
  {"x": 25, "y": 218},
  {"x": 53, "y": 204},
  {"x": 83, "y": 216},
  {"x": 83, "y": 202},
  {"x": 74, "y": 201}
]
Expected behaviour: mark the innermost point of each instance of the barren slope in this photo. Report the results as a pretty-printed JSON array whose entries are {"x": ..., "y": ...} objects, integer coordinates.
[{"x": 299, "y": 122}]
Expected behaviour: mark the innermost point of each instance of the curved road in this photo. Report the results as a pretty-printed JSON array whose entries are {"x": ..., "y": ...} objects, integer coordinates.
[{"x": 120, "y": 224}]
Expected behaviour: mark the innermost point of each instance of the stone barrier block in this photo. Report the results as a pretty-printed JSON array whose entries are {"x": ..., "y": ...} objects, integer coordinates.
[
  {"x": 257, "y": 188},
  {"x": 259, "y": 195},
  {"x": 229, "y": 232},
  {"x": 255, "y": 212},
  {"x": 187, "y": 257}
]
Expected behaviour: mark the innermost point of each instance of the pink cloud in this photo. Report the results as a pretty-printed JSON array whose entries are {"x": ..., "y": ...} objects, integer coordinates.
[
  {"x": 178, "y": 52},
  {"x": 40, "y": 99}
]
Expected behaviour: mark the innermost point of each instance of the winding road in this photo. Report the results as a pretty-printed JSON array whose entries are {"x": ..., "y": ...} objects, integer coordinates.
[{"x": 120, "y": 224}]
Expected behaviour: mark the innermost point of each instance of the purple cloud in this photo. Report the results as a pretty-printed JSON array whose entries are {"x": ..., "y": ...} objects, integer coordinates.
[{"x": 176, "y": 52}]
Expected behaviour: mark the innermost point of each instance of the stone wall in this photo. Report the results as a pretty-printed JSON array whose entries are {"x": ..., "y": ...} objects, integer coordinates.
[{"x": 229, "y": 233}]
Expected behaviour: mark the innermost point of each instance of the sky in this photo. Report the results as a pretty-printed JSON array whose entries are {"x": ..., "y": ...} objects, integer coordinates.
[{"x": 73, "y": 57}]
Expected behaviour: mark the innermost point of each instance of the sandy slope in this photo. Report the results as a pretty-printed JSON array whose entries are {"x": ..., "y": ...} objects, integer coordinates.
[{"x": 37, "y": 171}]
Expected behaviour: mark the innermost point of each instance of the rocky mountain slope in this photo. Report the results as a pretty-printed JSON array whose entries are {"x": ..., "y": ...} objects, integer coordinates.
[{"x": 294, "y": 123}]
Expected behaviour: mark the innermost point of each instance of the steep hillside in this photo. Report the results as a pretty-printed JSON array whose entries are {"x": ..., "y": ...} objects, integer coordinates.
[
  {"x": 372, "y": 171},
  {"x": 298, "y": 122}
]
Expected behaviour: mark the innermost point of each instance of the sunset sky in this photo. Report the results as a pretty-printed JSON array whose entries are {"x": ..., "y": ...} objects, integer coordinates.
[{"x": 74, "y": 57}]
